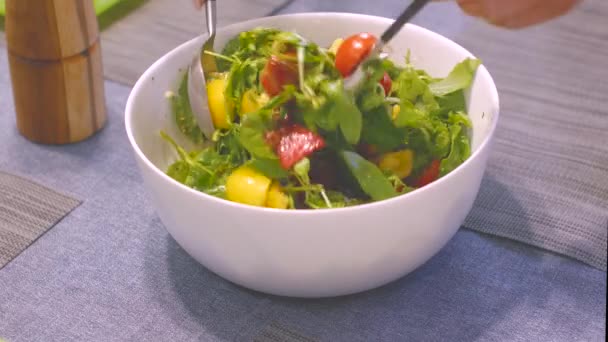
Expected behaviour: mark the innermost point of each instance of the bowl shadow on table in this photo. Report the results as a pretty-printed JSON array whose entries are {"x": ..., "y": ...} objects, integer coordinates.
[{"x": 468, "y": 278}]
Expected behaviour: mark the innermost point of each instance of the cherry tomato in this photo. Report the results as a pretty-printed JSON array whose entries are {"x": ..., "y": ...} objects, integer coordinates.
[
  {"x": 352, "y": 51},
  {"x": 430, "y": 174},
  {"x": 386, "y": 83},
  {"x": 276, "y": 74}
]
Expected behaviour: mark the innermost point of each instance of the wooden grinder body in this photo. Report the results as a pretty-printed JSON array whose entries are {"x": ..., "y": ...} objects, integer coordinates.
[{"x": 56, "y": 72}]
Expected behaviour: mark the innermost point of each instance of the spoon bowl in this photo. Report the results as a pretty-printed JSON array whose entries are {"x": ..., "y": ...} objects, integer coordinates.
[{"x": 202, "y": 65}]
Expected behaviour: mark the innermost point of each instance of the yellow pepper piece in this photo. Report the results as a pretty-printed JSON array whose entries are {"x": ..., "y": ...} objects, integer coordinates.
[
  {"x": 335, "y": 45},
  {"x": 276, "y": 197},
  {"x": 400, "y": 163},
  {"x": 395, "y": 112},
  {"x": 252, "y": 102},
  {"x": 218, "y": 105},
  {"x": 247, "y": 186}
]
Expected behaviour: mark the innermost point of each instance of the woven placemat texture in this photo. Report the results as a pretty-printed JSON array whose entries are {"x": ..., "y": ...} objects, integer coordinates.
[
  {"x": 27, "y": 210},
  {"x": 547, "y": 177}
]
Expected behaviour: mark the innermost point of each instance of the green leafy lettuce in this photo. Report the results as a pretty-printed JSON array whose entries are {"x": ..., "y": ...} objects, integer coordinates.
[{"x": 424, "y": 114}]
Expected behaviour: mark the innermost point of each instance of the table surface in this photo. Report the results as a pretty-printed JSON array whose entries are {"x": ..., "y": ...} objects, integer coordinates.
[{"x": 109, "y": 271}]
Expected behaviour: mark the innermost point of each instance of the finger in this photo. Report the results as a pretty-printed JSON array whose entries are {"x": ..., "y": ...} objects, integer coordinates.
[
  {"x": 499, "y": 10},
  {"x": 540, "y": 12},
  {"x": 198, "y": 4},
  {"x": 473, "y": 8},
  {"x": 495, "y": 10}
]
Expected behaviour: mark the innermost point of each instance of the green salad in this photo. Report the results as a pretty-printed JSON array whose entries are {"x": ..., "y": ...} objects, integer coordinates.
[{"x": 290, "y": 136}]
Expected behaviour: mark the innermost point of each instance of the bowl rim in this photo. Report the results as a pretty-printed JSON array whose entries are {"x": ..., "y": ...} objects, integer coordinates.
[{"x": 365, "y": 206}]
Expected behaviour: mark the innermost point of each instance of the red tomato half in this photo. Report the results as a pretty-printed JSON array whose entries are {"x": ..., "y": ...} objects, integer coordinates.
[
  {"x": 276, "y": 74},
  {"x": 430, "y": 174},
  {"x": 294, "y": 142},
  {"x": 352, "y": 51},
  {"x": 386, "y": 83}
]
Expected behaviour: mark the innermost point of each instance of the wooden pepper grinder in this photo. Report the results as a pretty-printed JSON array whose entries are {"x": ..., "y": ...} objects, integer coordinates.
[{"x": 56, "y": 72}]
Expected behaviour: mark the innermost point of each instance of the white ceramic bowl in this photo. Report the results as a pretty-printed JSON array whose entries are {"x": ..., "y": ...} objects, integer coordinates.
[{"x": 311, "y": 253}]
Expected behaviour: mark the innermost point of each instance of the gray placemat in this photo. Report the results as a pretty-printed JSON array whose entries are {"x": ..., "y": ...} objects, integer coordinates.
[
  {"x": 27, "y": 210},
  {"x": 547, "y": 178}
]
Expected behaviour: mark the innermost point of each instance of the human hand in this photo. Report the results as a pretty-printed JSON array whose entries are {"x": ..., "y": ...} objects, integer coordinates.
[
  {"x": 198, "y": 4},
  {"x": 516, "y": 13}
]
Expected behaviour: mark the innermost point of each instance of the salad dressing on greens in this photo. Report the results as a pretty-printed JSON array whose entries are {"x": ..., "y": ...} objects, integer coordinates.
[{"x": 289, "y": 136}]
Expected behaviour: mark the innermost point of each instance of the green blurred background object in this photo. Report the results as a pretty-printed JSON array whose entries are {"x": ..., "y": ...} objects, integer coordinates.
[{"x": 108, "y": 11}]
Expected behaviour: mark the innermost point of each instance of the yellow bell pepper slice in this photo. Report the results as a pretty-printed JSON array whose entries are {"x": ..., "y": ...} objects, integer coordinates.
[
  {"x": 246, "y": 185},
  {"x": 395, "y": 112},
  {"x": 400, "y": 162},
  {"x": 218, "y": 104},
  {"x": 252, "y": 102},
  {"x": 276, "y": 198},
  {"x": 335, "y": 46}
]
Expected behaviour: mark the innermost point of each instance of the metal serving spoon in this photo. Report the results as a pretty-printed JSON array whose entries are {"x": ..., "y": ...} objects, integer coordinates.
[
  {"x": 201, "y": 67},
  {"x": 351, "y": 82}
]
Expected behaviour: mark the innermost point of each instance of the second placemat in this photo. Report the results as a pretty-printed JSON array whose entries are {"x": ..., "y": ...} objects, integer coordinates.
[{"x": 27, "y": 210}]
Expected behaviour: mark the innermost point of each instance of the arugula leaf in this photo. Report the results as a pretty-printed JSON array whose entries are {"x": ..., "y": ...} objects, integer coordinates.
[
  {"x": 432, "y": 121},
  {"x": 179, "y": 171},
  {"x": 420, "y": 141},
  {"x": 441, "y": 139},
  {"x": 410, "y": 85},
  {"x": 411, "y": 116},
  {"x": 302, "y": 168},
  {"x": 371, "y": 180},
  {"x": 282, "y": 98},
  {"x": 324, "y": 117},
  {"x": 452, "y": 102},
  {"x": 459, "y": 78},
  {"x": 199, "y": 179},
  {"x": 227, "y": 144},
  {"x": 251, "y": 136},
  {"x": 180, "y": 151},
  {"x": 241, "y": 77},
  {"x": 252, "y": 131},
  {"x": 336, "y": 199},
  {"x": 350, "y": 118},
  {"x": 346, "y": 111},
  {"x": 380, "y": 130},
  {"x": 271, "y": 168},
  {"x": 182, "y": 113},
  {"x": 460, "y": 148},
  {"x": 315, "y": 195},
  {"x": 371, "y": 97},
  {"x": 370, "y": 94},
  {"x": 460, "y": 118},
  {"x": 194, "y": 169},
  {"x": 231, "y": 48}
]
